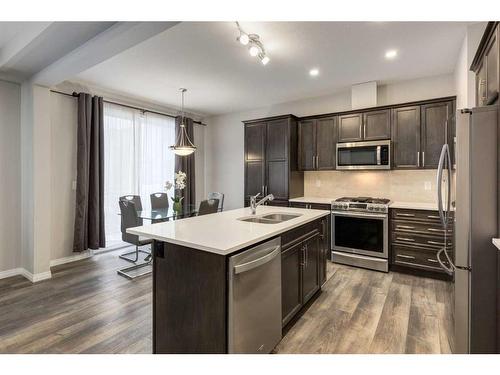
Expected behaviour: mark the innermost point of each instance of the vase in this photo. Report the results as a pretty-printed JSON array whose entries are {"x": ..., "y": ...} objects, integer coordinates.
[{"x": 177, "y": 207}]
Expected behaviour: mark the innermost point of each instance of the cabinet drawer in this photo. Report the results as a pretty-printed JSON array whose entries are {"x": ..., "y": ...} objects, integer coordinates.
[
  {"x": 421, "y": 215},
  {"x": 407, "y": 256},
  {"x": 419, "y": 240},
  {"x": 425, "y": 228},
  {"x": 298, "y": 234}
]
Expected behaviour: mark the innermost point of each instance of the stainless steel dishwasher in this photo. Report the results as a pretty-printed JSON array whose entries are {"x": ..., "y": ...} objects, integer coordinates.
[{"x": 255, "y": 299}]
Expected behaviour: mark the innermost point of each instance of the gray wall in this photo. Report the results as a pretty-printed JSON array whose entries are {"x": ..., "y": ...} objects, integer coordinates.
[{"x": 10, "y": 174}]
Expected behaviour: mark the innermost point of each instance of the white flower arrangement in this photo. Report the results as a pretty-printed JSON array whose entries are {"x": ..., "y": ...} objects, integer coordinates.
[{"x": 180, "y": 180}]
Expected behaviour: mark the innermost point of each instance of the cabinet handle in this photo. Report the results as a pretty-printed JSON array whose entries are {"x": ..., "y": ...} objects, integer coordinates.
[
  {"x": 405, "y": 215},
  {"x": 404, "y": 227},
  {"x": 418, "y": 159},
  {"x": 405, "y": 256},
  {"x": 436, "y": 230},
  {"x": 432, "y": 260},
  {"x": 405, "y": 239},
  {"x": 303, "y": 260},
  {"x": 438, "y": 243},
  {"x": 432, "y": 217},
  {"x": 423, "y": 158},
  {"x": 317, "y": 161},
  {"x": 263, "y": 190}
]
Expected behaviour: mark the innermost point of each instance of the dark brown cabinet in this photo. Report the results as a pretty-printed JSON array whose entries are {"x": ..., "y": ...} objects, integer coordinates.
[
  {"x": 300, "y": 268},
  {"x": 437, "y": 129},
  {"x": 419, "y": 132},
  {"x": 350, "y": 127},
  {"x": 271, "y": 159},
  {"x": 317, "y": 140},
  {"x": 486, "y": 66},
  {"x": 366, "y": 126},
  {"x": 406, "y": 137},
  {"x": 416, "y": 236}
]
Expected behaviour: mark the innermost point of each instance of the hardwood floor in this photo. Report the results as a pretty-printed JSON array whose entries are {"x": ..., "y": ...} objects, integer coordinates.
[
  {"x": 361, "y": 311},
  {"x": 87, "y": 308}
]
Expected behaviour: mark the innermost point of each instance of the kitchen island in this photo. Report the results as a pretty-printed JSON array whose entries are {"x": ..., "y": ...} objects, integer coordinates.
[{"x": 191, "y": 271}]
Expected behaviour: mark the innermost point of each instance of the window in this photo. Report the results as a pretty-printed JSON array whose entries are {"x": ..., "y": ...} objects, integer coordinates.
[{"x": 137, "y": 159}]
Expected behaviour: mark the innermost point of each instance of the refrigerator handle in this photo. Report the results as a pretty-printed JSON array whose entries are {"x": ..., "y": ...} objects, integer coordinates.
[{"x": 445, "y": 153}]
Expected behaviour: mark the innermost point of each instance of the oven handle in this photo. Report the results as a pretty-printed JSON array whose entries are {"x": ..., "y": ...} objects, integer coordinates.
[{"x": 359, "y": 214}]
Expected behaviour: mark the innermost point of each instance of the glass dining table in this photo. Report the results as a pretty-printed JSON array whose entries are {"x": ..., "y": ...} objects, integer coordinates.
[{"x": 166, "y": 214}]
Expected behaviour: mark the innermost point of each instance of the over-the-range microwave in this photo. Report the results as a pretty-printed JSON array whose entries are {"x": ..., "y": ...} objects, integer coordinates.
[{"x": 364, "y": 155}]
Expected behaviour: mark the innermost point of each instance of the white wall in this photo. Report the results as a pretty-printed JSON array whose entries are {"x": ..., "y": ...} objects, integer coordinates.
[
  {"x": 63, "y": 115},
  {"x": 10, "y": 173},
  {"x": 463, "y": 77},
  {"x": 224, "y": 135}
]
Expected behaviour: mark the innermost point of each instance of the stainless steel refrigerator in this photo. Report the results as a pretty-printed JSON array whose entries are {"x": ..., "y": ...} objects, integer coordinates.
[{"x": 476, "y": 223}]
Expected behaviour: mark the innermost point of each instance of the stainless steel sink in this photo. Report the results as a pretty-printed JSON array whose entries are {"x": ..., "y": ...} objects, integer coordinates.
[
  {"x": 274, "y": 218},
  {"x": 280, "y": 217}
]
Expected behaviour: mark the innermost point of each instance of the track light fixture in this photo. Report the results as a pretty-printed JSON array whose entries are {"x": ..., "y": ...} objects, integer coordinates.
[{"x": 255, "y": 46}]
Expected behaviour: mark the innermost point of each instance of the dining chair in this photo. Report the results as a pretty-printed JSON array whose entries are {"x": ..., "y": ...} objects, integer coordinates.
[
  {"x": 136, "y": 199},
  {"x": 129, "y": 219},
  {"x": 209, "y": 206},
  {"x": 219, "y": 196},
  {"x": 159, "y": 201}
]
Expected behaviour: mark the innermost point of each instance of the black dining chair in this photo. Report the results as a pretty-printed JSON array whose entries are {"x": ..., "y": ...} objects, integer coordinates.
[
  {"x": 219, "y": 196},
  {"x": 129, "y": 219},
  {"x": 159, "y": 201},
  {"x": 209, "y": 206},
  {"x": 136, "y": 199}
]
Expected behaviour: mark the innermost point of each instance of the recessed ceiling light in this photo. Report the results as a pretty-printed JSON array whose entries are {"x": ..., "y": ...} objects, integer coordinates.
[
  {"x": 391, "y": 54},
  {"x": 314, "y": 72}
]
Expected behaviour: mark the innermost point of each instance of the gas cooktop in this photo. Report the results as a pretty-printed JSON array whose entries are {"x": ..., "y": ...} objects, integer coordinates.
[{"x": 368, "y": 204}]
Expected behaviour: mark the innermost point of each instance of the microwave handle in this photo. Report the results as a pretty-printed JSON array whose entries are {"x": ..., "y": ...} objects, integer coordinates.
[{"x": 378, "y": 155}]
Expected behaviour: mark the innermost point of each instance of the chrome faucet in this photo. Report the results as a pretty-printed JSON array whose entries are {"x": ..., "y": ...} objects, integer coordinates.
[{"x": 254, "y": 203}]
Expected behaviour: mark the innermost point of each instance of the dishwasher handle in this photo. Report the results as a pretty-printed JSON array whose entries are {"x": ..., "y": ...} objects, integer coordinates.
[{"x": 240, "y": 268}]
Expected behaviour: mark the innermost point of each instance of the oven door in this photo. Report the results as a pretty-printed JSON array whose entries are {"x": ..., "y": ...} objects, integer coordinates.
[{"x": 360, "y": 233}]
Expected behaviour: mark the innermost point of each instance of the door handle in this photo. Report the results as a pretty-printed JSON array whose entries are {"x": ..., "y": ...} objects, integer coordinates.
[{"x": 240, "y": 268}]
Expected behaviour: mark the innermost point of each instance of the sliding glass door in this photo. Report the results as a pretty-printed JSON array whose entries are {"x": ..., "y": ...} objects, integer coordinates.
[{"x": 137, "y": 159}]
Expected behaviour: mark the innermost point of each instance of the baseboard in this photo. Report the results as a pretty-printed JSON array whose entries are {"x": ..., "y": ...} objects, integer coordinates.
[
  {"x": 10, "y": 273},
  {"x": 72, "y": 258},
  {"x": 34, "y": 278}
]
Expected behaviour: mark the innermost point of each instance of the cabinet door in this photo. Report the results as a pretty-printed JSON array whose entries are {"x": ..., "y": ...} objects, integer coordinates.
[
  {"x": 492, "y": 70},
  {"x": 307, "y": 145},
  {"x": 255, "y": 168},
  {"x": 350, "y": 127},
  {"x": 310, "y": 267},
  {"x": 436, "y": 123},
  {"x": 326, "y": 140},
  {"x": 406, "y": 137},
  {"x": 481, "y": 86},
  {"x": 255, "y": 140},
  {"x": 377, "y": 125},
  {"x": 291, "y": 282},
  {"x": 277, "y": 159}
]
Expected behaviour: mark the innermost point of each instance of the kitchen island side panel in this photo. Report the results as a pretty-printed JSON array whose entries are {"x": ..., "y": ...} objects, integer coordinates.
[{"x": 189, "y": 300}]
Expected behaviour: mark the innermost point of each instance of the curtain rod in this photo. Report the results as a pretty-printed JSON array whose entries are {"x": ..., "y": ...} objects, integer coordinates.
[{"x": 75, "y": 95}]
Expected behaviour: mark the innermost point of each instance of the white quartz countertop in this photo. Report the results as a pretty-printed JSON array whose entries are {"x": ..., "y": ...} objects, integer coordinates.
[
  {"x": 496, "y": 242},
  {"x": 221, "y": 233}
]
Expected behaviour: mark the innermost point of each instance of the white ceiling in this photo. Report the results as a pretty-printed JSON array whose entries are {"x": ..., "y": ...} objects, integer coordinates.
[{"x": 222, "y": 77}]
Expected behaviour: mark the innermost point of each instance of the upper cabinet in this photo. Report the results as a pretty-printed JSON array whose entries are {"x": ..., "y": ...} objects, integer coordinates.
[
  {"x": 271, "y": 159},
  {"x": 366, "y": 126},
  {"x": 317, "y": 140},
  {"x": 486, "y": 66},
  {"x": 419, "y": 132}
]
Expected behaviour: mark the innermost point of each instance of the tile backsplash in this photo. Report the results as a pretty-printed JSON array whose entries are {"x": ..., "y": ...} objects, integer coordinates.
[{"x": 397, "y": 185}]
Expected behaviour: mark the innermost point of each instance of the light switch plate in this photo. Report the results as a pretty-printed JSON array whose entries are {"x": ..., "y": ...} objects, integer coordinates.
[
  {"x": 427, "y": 185},
  {"x": 318, "y": 183}
]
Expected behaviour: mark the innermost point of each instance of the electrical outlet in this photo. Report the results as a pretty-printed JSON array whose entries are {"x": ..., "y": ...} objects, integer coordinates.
[
  {"x": 427, "y": 185},
  {"x": 318, "y": 183}
]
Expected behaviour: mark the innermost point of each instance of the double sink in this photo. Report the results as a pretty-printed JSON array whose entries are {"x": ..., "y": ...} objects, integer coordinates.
[{"x": 274, "y": 218}]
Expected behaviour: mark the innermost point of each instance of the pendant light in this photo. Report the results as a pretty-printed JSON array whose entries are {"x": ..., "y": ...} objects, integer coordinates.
[{"x": 183, "y": 145}]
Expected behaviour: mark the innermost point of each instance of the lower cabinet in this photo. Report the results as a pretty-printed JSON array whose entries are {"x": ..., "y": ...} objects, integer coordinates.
[
  {"x": 416, "y": 237},
  {"x": 300, "y": 268}
]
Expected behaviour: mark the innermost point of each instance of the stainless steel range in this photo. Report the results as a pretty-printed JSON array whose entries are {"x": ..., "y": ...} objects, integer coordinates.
[{"x": 360, "y": 232}]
